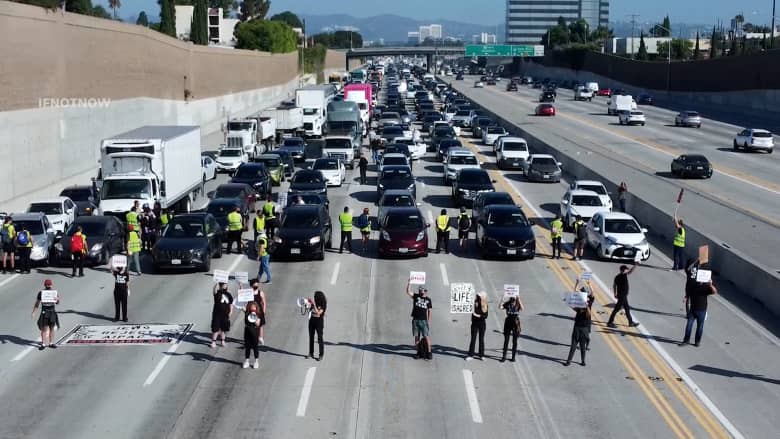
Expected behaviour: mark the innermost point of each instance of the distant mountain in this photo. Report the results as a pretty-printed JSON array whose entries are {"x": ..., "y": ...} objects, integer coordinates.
[{"x": 393, "y": 28}]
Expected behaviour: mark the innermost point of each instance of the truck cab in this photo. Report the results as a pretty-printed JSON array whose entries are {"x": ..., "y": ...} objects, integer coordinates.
[
  {"x": 340, "y": 147},
  {"x": 242, "y": 133}
]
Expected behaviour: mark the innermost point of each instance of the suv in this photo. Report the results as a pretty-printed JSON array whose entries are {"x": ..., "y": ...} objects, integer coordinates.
[
  {"x": 754, "y": 139},
  {"x": 687, "y": 119},
  {"x": 255, "y": 175},
  {"x": 511, "y": 152},
  {"x": 468, "y": 183},
  {"x": 632, "y": 117},
  {"x": 457, "y": 159},
  {"x": 583, "y": 94}
]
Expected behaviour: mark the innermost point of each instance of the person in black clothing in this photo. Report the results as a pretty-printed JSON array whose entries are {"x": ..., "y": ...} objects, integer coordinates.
[
  {"x": 696, "y": 303},
  {"x": 220, "y": 313},
  {"x": 121, "y": 292},
  {"x": 513, "y": 306},
  {"x": 48, "y": 320},
  {"x": 251, "y": 333},
  {"x": 421, "y": 318},
  {"x": 478, "y": 326},
  {"x": 691, "y": 269},
  {"x": 620, "y": 290},
  {"x": 260, "y": 300},
  {"x": 317, "y": 323},
  {"x": 363, "y": 166},
  {"x": 580, "y": 335}
]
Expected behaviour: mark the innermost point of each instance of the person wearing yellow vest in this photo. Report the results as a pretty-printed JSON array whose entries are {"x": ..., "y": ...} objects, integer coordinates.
[
  {"x": 678, "y": 244},
  {"x": 131, "y": 218},
  {"x": 556, "y": 235},
  {"x": 269, "y": 209},
  {"x": 364, "y": 222},
  {"x": 259, "y": 225},
  {"x": 235, "y": 226},
  {"x": 24, "y": 245},
  {"x": 133, "y": 249},
  {"x": 443, "y": 231},
  {"x": 345, "y": 219},
  {"x": 8, "y": 237},
  {"x": 264, "y": 258},
  {"x": 464, "y": 226},
  {"x": 78, "y": 250}
]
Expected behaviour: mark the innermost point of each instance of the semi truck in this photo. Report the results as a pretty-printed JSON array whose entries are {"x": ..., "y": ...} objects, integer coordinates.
[
  {"x": 313, "y": 99},
  {"x": 252, "y": 134},
  {"x": 346, "y": 123},
  {"x": 360, "y": 94},
  {"x": 151, "y": 164},
  {"x": 289, "y": 120}
]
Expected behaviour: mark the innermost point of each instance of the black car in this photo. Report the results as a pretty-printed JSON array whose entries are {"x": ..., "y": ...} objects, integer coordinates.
[
  {"x": 221, "y": 207},
  {"x": 255, "y": 175},
  {"x": 105, "y": 238},
  {"x": 468, "y": 183},
  {"x": 429, "y": 119},
  {"x": 399, "y": 148},
  {"x": 440, "y": 133},
  {"x": 511, "y": 86},
  {"x": 505, "y": 231},
  {"x": 308, "y": 180},
  {"x": 305, "y": 231},
  {"x": 445, "y": 145},
  {"x": 645, "y": 99},
  {"x": 85, "y": 197},
  {"x": 296, "y": 146},
  {"x": 390, "y": 132},
  {"x": 485, "y": 199},
  {"x": 691, "y": 165},
  {"x": 189, "y": 240},
  {"x": 307, "y": 198},
  {"x": 544, "y": 169},
  {"x": 396, "y": 177},
  {"x": 242, "y": 192},
  {"x": 479, "y": 124},
  {"x": 547, "y": 96}
]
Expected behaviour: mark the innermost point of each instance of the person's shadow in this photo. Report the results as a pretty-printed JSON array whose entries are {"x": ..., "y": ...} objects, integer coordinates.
[{"x": 7, "y": 338}]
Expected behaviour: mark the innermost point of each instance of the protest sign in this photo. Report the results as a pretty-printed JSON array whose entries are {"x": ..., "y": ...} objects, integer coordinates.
[
  {"x": 221, "y": 276},
  {"x": 119, "y": 261},
  {"x": 461, "y": 298},
  {"x": 703, "y": 276},
  {"x": 511, "y": 290},
  {"x": 245, "y": 295},
  {"x": 576, "y": 299},
  {"x": 48, "y": 296},
  {"x": 680, "y": 196},
  {"x": 586, "y": 275},
  {"x": 241, "y": 277},
  {"x": 417, "y": 277}
]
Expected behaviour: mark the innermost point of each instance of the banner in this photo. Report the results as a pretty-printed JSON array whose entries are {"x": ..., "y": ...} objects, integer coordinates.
[
  {"x": 461, "y": 298},
  {"x": 703, "y": 276},
  {"x": 119, "y": 261},
  {"x": 417, "y": 277},
  {"x": 221, "y": 276},
  {"x": 48, "y": 296},
  {"x": 576, "y": 299},
  {"x": 241, "y": 277},
  {"x": 245, "y": 295}
]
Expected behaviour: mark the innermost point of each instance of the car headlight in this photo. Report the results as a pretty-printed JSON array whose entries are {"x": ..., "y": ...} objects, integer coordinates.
[
  {"x": 465, "y": 191},
  {"x": 277, "y": 240},
  {"x": 381, "y": 186},
  {"x": 58, "y": 247},
  {"x": 314, "y": 240},
  {"x": 420, "y": 236},
  {"x": 96, "y": 248},
  {"x": 385, "y": 235},
  {"x": 411, "y": 186}
]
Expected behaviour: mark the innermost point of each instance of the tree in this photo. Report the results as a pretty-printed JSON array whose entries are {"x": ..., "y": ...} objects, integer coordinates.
[
  {"x": 199, "y": 27},
  {"x": 641, "y": 55},
  {"x": 79, "y": 6},
  {"x": 288, "y": 17},
  {"x": 341, "y": 39},
  {"x": 167, "y": 17},
  {"x": 681, "y": 48},
  {"x": 251, "y": 9},
  {"x": 763, "y": 42},
  {"x": 578, "y": 31},
  {"x": 266, "y": 35},
  {"x": 663, "y": 29},
  {"x": 668, "y": 25},
  {"x": 142, "y": 20},
  {"x": 696, "y": 54},
  {"x": 100, "y": 12},
  {"x": 713, "y": 42},
  {"x": 734, "y": 47},
  {"x": 114, "y": 5}
]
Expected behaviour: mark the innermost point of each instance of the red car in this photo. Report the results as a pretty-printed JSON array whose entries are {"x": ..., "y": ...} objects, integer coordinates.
[
  {"x": 403, "y": 232},
  {"x": 605, "y": 92},
  {"x": 545, "y": 110}
]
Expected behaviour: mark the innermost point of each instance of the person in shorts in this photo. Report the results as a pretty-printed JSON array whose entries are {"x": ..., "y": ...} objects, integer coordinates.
[
  {"x": 8, "y": 234},
  {"x": 259, "y": 299},
  {"x": 421, "y": 317},
  {"x": 48, "y": 319},
  {"x": 580, "y": 233},
  {"x": 220, "y": 313}
]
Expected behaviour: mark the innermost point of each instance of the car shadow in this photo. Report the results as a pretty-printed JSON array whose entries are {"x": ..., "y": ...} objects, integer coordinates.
[
  {"x": 437, "y": 169},
  {"x": 666, "y": 174},
  {"x": 601, "y": 114},
  {"x": 432, "y": 181},
  {"x": 365, "y": 196},
  {"x": 553, "y": 208},
  {"x": 731, "y": 150},
  {"x": 441, "y": 201}
]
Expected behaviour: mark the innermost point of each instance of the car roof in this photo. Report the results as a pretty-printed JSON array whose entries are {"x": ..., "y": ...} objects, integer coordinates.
[
  {"x": 541, "y": 156},
  {"x": 27, "y": 216},
  {"x": 396, "y": 192},
  {"x": 224, "y": 201},
  {"x": 471, "y": 170},
  {"x": 404, "y": 210},
  {"x": 588, "y": 182},
  {"x": 393, "y": 155},
  {"x": 459, "y": 151},
  {"x": 758, "y": 130},
  {"x": 495, "y": 195},
  {"x": 234, "y": 185},
  {"x": 584, "y": 192},
  {"x": 503, "y": 208},
  {"x": 695, "y": 156},
  {"x": 78, "y": 187},
  {"x": 51, "y": 200},
  {"x": 94, "y": 219},
  {"x": 268, "y": 155},
  {"x": 252, "y": 165},
  {"x": 616, "y": 215},
  {"x": 396, "y": 167},
  {"x": 303, "y": 208}
]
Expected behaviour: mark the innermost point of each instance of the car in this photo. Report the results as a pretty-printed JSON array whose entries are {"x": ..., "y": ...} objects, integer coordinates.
[
  {"x": 86, "y": 198},
  {"x": 296, "y": 146},
  {"x": 445, "y": 145},
  {"x": 209, "y": 167},
  {"x": 274, "y": 165},
  {"x": 105, "y": 238},
  {"x": 442, "y": 124},
  {"x": 491, "y": 81},
  {"x": 645, "y": 99},
  {"x": 595, "y": 186},
  {"x": 617, "y": 235},
  {"x": 479, "y": 125},
  {"x": 485, "y": 199},
  {"x": 308, "y": 198},
  {"x": 42, "y": 233},
  {"x": 229, "y": 159},
  {"x": 504, "y": 230},
  {"x": 511, "y": 86},
  {"x": 537, "y": 84},
  {"x": 752, "y": 139},
  {"x": 255, "y": 175},
  {"x": 633, "y": 117},
  {"x": 491, "y": 134},
  {"x": 468, "y": 183},
  {"x": 461, "y": 118},
  {"x": 308, "y": 180},
  {"x": 691, "y": 165},
  {"x": 399, "y": 148},
  {"x": 396, "y": 177},
  {"x": 305, "y": 231},
  {"x": 390, "y": 118},
  {"x": 287, "y": 160},
  {"x": 393, "y": 198},
  {"x": 221, "y": 207},
  {"x": 390, "y": 132},
  {"x": 511, "y": 152},
  {"x": 457, "y": 159},
  {"x": 403, "y": 232},
  {"x": 332, "y": 169},
  {"x": 542, "y": 167},
  {"x": 244, "y": 193},
  {"x": 479, "y": 84},
  {"x": 417, "y": 149},
  {"x": 605, "y": 92},
  {"x": 190, "y": 240},
  {"x": 60, "y": 211},
  {"x": 547, "y": 96},
  {"x": 579, "y": 202},
  {"x": 429, "y": 119},
  {"x": 545, "y": 110},
  {"x": 581, "y": 93},
  {"x": 459, "y": 76},
  {"x": 440, "y": 133},
  {"x": 687, "y": 119},
  {"x": 392, "y": 159}
]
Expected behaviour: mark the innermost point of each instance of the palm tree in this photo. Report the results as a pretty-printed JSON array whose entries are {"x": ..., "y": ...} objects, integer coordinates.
[{"x": 114, "y": 5}]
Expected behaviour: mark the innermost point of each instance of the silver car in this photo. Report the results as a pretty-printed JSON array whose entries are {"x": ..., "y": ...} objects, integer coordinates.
[
  {"x": 42, "y": 234},
  {"x": 687, "y": 119}
]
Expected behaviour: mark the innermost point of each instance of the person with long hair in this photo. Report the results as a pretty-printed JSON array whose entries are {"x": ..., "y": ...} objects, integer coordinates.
[
  {"x": 317, "y": 323},
  {"x": 48, "y": 320},
  {"x": 220, "y": 313},
  {"x": 513, "y": 306},
  {"x": 478, "y": 325},
  {"x": 251, "y": 333},
  {"x": 580, "y": 335},
  {"x": 260, "y": 300}
]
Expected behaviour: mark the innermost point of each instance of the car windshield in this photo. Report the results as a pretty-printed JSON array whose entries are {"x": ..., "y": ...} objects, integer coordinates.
[
  {"x": 46, "y": 208},
  {"x": 389, "y": 115},
  {"x": 301, "y": 220},
  {"x": 462, "y": 113},
  {"x": 293, "y": 142},
  {"x": 77, "y": 194},
  {"x": 306, "y": 177},
  {"x": 498, "y": 199},
  {"x": 637, "y": 113},
  {"x": 220, "y": 209},
  {"x": 392, "y": 129},
  {"x": 484, "y": 122},
  {"x": 495, "y": 130},
  {"x": 125, "y": 189},
  {"x": 338, "y": 144},
  {"x": 227, "y": 192},
  {"x": 448, "y": 143},
  {"x": 506, "y": 219},
  {"x": 597, "y": 188},
  {"x": 442, "y": 131},
  {"x": 403, "y": 222},
  {"x": 697, "y": 159},
  {"x": 88, "y": 228},
  {"x": 269, "y": 162},
  {"x": 515, "y": 146},
  {"x": 463, "y": 160},
  {"x": 239, "y": 126},
  {"x": 397, "y": 201},
  {"x": 184, "y": 229},
  {"x": 586, "y": 200},
  {"x": 393, "y": 174},
  {"x": 761, "y": 134},
  {"x": 621, "y": 226},
  {"x": 231, "y": 153},
  {"x": 249, "y": 172},
  {"x": 691, "y": 114},
  {"x": 309, "y": 111},
  {"x": 394, "y": 161},
  {"x": 306, "y": 198},
  {"x": 34, "y": 227},
  {"x": 474, "y": 178},
  {"x": 544, "y": 161},
  {"x": 321, "y": 165}
]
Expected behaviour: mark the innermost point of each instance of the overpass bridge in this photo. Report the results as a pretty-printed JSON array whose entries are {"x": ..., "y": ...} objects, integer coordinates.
[{"x": 428, "y": 51}]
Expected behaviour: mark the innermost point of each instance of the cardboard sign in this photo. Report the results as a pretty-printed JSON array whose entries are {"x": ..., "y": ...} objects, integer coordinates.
[
  {"x": 241, "y": 277},
  {"x": 461, "y": 298},
  {"x": 124, "y": 335},
  {"x": 48, "y": 296},
  {"x": 511, "y": 290},
  {"x": 586, "y": 275},
  {"x": 245, "y": 295},
  {"x": 703, "y": 276},
  {"x": 221, "y": 276},
  {"x": 417, "y": 277},
  {"x": 119, "y": 261},
  {"x": 576, "y": 299},
  {"x": 704, "y": 254}
]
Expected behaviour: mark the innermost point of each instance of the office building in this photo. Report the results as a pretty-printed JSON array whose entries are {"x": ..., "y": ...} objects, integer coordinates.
[
  {"x": 435, "y": 31},
  {"x": 486, "y": 38},
  {"x": 412, "y": 38},
  {"x": 220, "y": 29},
  {"x": 528, "y": 20},
  {"x": 425, "y": 32}
]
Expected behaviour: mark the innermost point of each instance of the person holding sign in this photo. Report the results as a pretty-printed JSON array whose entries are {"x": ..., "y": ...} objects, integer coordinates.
[
  {"x": 678, "y": 244},
  {"x": 580, "y": 335},
  {"x": 317, "y": 324},
  {"x": 121, "y": 291},
  {"x": 620, "y": 290},
  {"x": 251, "y": 333},
  {"x": 556, "y": 235},
  {"x": 478, "y": 325},
  {"x": 48, "y": 320},
  {"x": 512, "y": 306},
  {"x": 421, "y": 317},
  {"x": 259, "y": 298},
  {"x": 696, "y": 303},
  {"x": 220, "y": 314}
]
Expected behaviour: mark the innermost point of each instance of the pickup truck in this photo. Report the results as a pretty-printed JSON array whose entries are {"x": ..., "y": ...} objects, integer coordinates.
[{"x": 583, "y": 94}]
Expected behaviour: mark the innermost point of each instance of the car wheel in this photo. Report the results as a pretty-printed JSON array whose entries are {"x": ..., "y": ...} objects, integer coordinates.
[
  {"x": 321, "y": 256},
  {"x": 698, "y": 126},
  {"x": 745, "y": 146},
  {"x": 736, "y": 147},
  {"x": 206, "y": 267},
  {"x": 329, "y": 244},
  {"x": 643, "y": 124},
  {"x": 677, "y": 124},
  {"x": 599, "y": 252}
]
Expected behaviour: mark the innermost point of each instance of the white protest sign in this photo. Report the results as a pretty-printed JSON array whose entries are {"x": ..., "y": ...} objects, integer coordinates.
[
  {"x": 461, "y": 298},
  {"x": 417, "y": 277},
  {"x": 282, "y": 196},
  {"x": 511, "y": 290},
  {"x": 586, "y": 275},
  {"x": 703, "y": 276},
  {"x": 221, "y": 276},
  {"x": 48, "y": 296},
  {"x": 119, "y": 261},
  {"x": 241, "y": 277},
  {"x": 576, "y": 299},
  {"x": 245, "y": 295}
]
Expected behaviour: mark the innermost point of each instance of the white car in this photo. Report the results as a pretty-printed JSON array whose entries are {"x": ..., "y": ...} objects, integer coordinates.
[
  {"x": 416, "y": 147},
  {"x": 491, "y": 134},
  {"x": 229, "y": 159},
  {"x": 332, "y": 169},
  {"x": 60, "y": 211},
  {"x": 479, "y": 84},
  {"x": 209, "y": 167},
  {"x": 511, "y": 152},
  {"x": 754, "y": 139},
  {"x": 457, "y": 159},
  {"x": 617, "y": 235},
  {"x": 633, "y": 117},
  {"x": 392, "y": 159},
  {"x": 597, "y": 187},
  {"x": 578, "y": 202}
]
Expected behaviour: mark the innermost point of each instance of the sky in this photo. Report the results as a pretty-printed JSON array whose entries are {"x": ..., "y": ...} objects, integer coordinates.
[{"x": 491, "y": 12}]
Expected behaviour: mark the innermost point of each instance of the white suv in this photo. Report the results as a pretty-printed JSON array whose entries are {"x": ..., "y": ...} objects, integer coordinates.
[
  {"x": 458, "y": 158},
  {"x": 60, "y": 211},
  {"x": 754, "y": 139},
  {"x": 632, "y": 117},
  {"x": 511, "y": 152}
]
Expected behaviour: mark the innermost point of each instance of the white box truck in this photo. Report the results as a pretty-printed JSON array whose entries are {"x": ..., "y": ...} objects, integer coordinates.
[
  {"x": 620, "y": 103},
  {"x": 314, "y": 101},
  {"x": 150, "y": 164},
  {"x": 289, "y": 120}
]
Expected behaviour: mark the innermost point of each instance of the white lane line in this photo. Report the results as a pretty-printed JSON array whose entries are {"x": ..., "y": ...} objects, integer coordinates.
[
  {"x": 471, "y": 393},
  {"x": 8, "y": 280},
  {"x": 335, "y": 274},
  {"x": 305, "y": 392},
  {"x": 167, "y": 356},
  {"x": 26, "y": 351},
  {"x": 444, "y": 278}
]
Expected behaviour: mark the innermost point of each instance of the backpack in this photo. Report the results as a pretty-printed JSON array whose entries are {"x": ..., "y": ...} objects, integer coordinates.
[
  {"x": 5, "y": 237},
  {"x": 464, "y": 223},
  {"x": 581, "y": 231},
  {"x": 23, "y": 237},
  {"x": 76, "y": 244}
]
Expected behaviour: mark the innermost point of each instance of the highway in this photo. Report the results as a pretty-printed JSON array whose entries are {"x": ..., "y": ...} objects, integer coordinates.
[{"x": 638, "y": 383}]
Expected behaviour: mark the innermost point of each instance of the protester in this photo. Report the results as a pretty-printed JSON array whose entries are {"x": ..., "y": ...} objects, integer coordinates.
[
  {"x": 264, "y": 257},
  {"x": 251, "y": 334},
  {"x": 220, "y": 313},
  {"x": 691, "y": 270},
  {"x": 48, "y": 320},
  {"x": 696, "y": 303},
  {"x": 580, "y": 335},
  {"x": 579, "y": 238},
  {"x": 345, "y": 219},
  {"x": 78, "y": 251},
  {"x": 443, "y": 232},
  {"x": 478, "y": 325},
  {"x": 24, "y": 245},
  {"x": 556, "y": 235},
  {"x": 133, "y": 250},
  {"x": 421, "y": 317},
  {"x": 148, "y": 228},
  {"x": 464, "y": 226},
  {"x": 121, "y": 292},
  {"x": 364, "y": 224},
  {"x": 259, "y": 224},
  {"x": 512, "y": 306},
  {"x": 620, "y": 291},
  {"x": 260, "y": 300},
  {"x": 622, "y": 191},
  {"x": 235, "y": 226},
  {"x": 269, "y": 210},
  {"x": 363, "y": 166},
  {"x": 8, "y": 237},
  {"x": 678, "y": 244},
  {"x": 317, "y": 324},
  {"x": 131, "y": 217}
]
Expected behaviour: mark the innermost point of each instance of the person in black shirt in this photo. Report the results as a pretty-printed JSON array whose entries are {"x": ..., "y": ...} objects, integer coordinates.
[
  {"x": 363, "y": 166},
  {"x": 620, "y": 290},
  {"x": 48, "y": 320},
  {"x": 220, "y": 313},
  {"x": 251, "y": 333},
  {"x": 260, "y": 300},
  {"x": 691, "y": 269},
  {"x": 696, "y": 303},
  {"x": 317, "y": 323},
  {"x": 478, "y": 325},
  {"x": 421, "y": 317},
  {"x": 580, "y": 335},
  {"x": 513, "y": 306},
  {"x": 121, "y": 292}
]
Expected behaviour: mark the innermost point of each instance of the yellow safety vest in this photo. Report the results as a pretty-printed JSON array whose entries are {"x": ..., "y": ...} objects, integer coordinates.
[
  {"x": 679, "y": 238},
  {"x": 132, "y": 219},
  {"x": 346, "y": 221},
  {"x": 443, "y": 223},
  {"x": 265, "y": 246},
  {"x": 556, "y": 228},
  {"x": 133, "y": 242},
  {"x": 268, "y": 210},
  {"x": 462, "y": 215},
  {"x": 164, "y": 219},
  {"x": 234, "y": 221},
  {"x": 259, "y": 222},
  {"x": 577, "y": 225}
]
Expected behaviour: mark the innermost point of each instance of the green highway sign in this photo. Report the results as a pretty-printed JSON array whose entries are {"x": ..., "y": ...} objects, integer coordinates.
[{"x": 504, "y": 50}]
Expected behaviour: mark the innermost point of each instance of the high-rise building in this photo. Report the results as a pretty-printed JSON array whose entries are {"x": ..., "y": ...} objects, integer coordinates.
[
  {"x": 425, "y": 32},
  {"x": 413, "y": 38},
  {"x": 486, "y": 38},
  {"x": 435, "y": 31},
  {"x": 528, "y": 20}
]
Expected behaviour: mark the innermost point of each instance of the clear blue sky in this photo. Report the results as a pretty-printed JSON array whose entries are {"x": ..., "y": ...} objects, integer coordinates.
[{"x": 492, "y": 12}]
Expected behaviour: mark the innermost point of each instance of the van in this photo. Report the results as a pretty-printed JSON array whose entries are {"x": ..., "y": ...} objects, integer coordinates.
[
  {"x": 592, "y": 86},
  {"x": 620, "y": 103},
  {"x": 511, "y": 152}
]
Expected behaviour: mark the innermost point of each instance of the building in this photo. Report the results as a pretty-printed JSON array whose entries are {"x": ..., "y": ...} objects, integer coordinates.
[
  {"x": 413, "y": 38},
  {"x": 435, "y": 31},
  {"x": 630, "y": 46},
  {"x": 528, "y": 20},
  {"x": 486, "y": 38},
  {"x": 425, "y": 33},
  {"x": 220, "y": 29}
]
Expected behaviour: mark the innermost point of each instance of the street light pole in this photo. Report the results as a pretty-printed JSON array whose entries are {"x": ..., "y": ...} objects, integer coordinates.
[{"x": 772, "y": 30}]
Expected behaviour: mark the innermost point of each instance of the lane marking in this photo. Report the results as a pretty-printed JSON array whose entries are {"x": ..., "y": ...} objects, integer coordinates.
[
  {"x": 163, "y": 361},
  {"x": 471, "y": 394},
  {"x": 305, "y": 392},
  {"x": 335, "y": 274},
  {"x": 444, "y": 278},
  {"x": 5, "y": 281},
  {"x": 26, "y": 351}
]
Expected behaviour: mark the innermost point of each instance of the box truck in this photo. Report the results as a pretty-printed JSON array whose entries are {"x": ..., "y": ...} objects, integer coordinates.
[
  {"x": 360, "y": 94},
  {"x": 314, "y": 101},
  {"x": 620, "y": 103},
  {"x": 289, "y": 120}
]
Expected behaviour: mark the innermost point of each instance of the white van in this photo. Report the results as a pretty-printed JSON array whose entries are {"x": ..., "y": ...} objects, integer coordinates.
[
  {"x": 620, "y": 103},
  {"x": 592, "y": 86},
  {"x": 511, "y": 152}
]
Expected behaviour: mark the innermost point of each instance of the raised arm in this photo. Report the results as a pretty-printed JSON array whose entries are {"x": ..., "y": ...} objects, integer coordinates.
[{"x": 409, "y": 289}]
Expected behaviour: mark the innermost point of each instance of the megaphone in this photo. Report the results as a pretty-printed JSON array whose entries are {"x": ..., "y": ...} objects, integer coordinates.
[{"x": 252, "y": 317}]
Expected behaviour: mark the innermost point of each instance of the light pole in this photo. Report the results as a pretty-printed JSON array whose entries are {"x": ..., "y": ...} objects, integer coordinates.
[{"x": 669, "y": 59}]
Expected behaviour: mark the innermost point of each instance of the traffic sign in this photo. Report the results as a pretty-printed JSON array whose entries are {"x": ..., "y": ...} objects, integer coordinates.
[{"x": 504, "y": 50}]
